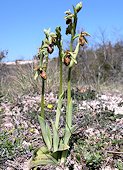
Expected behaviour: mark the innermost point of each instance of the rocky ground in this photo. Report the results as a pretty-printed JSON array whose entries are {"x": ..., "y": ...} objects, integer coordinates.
[{"x": 97, "y": 142}]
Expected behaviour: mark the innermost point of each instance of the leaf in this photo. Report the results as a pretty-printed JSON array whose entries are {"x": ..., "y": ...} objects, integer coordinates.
[
  {"x": 68, "y": 123},
  {"x": 55, "y": 137},
  {"x": 58, "y": 111},
  {"x": 76, "y": 36},
  {"x": 42, "y": 157},
  {"x": 49, "y": 133},
  {"x": 44, "y": 133},
  {"x": 39, "y": 151},
  {"x": 62, "y": 146},
  {"x": 74, "y": 55}
]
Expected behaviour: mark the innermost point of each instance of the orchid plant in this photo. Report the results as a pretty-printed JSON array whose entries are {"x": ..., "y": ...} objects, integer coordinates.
[{"x": 56, "y": 147}]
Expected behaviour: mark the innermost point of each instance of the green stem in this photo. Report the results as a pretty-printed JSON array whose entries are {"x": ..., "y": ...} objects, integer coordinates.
[
  {"x": 58, "y": 112},
  {"x": 42, "y": 98},
  {"x": 69, "y": 75},
  {"x": 61, "y": 72},
  {"x": 69, "y": 86},
  {"x": 64, "y": 153},
  {"x": 69, "y": 116}
]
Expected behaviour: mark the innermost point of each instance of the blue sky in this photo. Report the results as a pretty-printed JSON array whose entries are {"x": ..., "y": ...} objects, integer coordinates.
[{"x": 23, "y": 22}]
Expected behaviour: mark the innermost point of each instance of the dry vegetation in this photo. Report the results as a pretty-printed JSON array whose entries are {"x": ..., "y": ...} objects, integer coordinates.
[
  {"x": 102, "y": 66},
  {"x": 98, "y": 141}
]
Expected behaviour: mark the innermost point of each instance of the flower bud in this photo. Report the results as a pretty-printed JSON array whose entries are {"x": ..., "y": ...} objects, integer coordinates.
[{"x": 78, "y": 7}]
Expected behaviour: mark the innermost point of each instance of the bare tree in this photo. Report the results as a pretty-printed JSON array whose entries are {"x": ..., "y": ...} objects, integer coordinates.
[{"x": 3, "y": 54}]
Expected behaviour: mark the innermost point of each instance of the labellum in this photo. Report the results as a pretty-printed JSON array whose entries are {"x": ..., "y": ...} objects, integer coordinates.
[
  {"x": 50, "y": 48},
  {"x": 68, "y": 29},
  {"x": 68, "y": 21},
  {"x": 67, "y": 59},
  {"x": 43, "y": 74},
  {"x": 82, "y": 40}
]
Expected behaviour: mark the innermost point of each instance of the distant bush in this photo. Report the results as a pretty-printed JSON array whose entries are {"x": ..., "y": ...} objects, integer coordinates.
[
  {"x": 3, "y": 54},
  {"x": 96, "y": 66}
]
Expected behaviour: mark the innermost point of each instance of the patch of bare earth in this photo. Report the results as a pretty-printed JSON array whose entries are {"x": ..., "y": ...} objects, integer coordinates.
[{"x": 98, "y": 120}]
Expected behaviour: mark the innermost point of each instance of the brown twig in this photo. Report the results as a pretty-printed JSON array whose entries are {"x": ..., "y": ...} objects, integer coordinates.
[{"x": 114, "y": 152}]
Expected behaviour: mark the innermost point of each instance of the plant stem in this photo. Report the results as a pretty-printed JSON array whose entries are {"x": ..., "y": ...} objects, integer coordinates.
[
  {"x": 64, "y": 153},
  {"x": 61, "y": 72},
  {"x": 69, "y": 86},
  {"x": 43, "y": 86},
  {"x": 42, "y": 99},
  {"x": 69, "y": 75},
  {"x": 58, "y": 112}
]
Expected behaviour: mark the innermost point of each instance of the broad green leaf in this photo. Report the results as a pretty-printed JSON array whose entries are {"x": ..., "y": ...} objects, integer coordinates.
[
  {"x": 49, "y": 134},
  {"x": 39, "y": 151},
  {"x": 62, "y": 146},
  {"x": 43, "y": 159},
  {"x": 41, "y": 156},
  {"x": 44, "y": 132},
  {"x": 58, "y": 111},
  {"x": 55, "y": 137},
  {"x": 68, "y": 132},
  {"x": 69, "y": 114}
]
